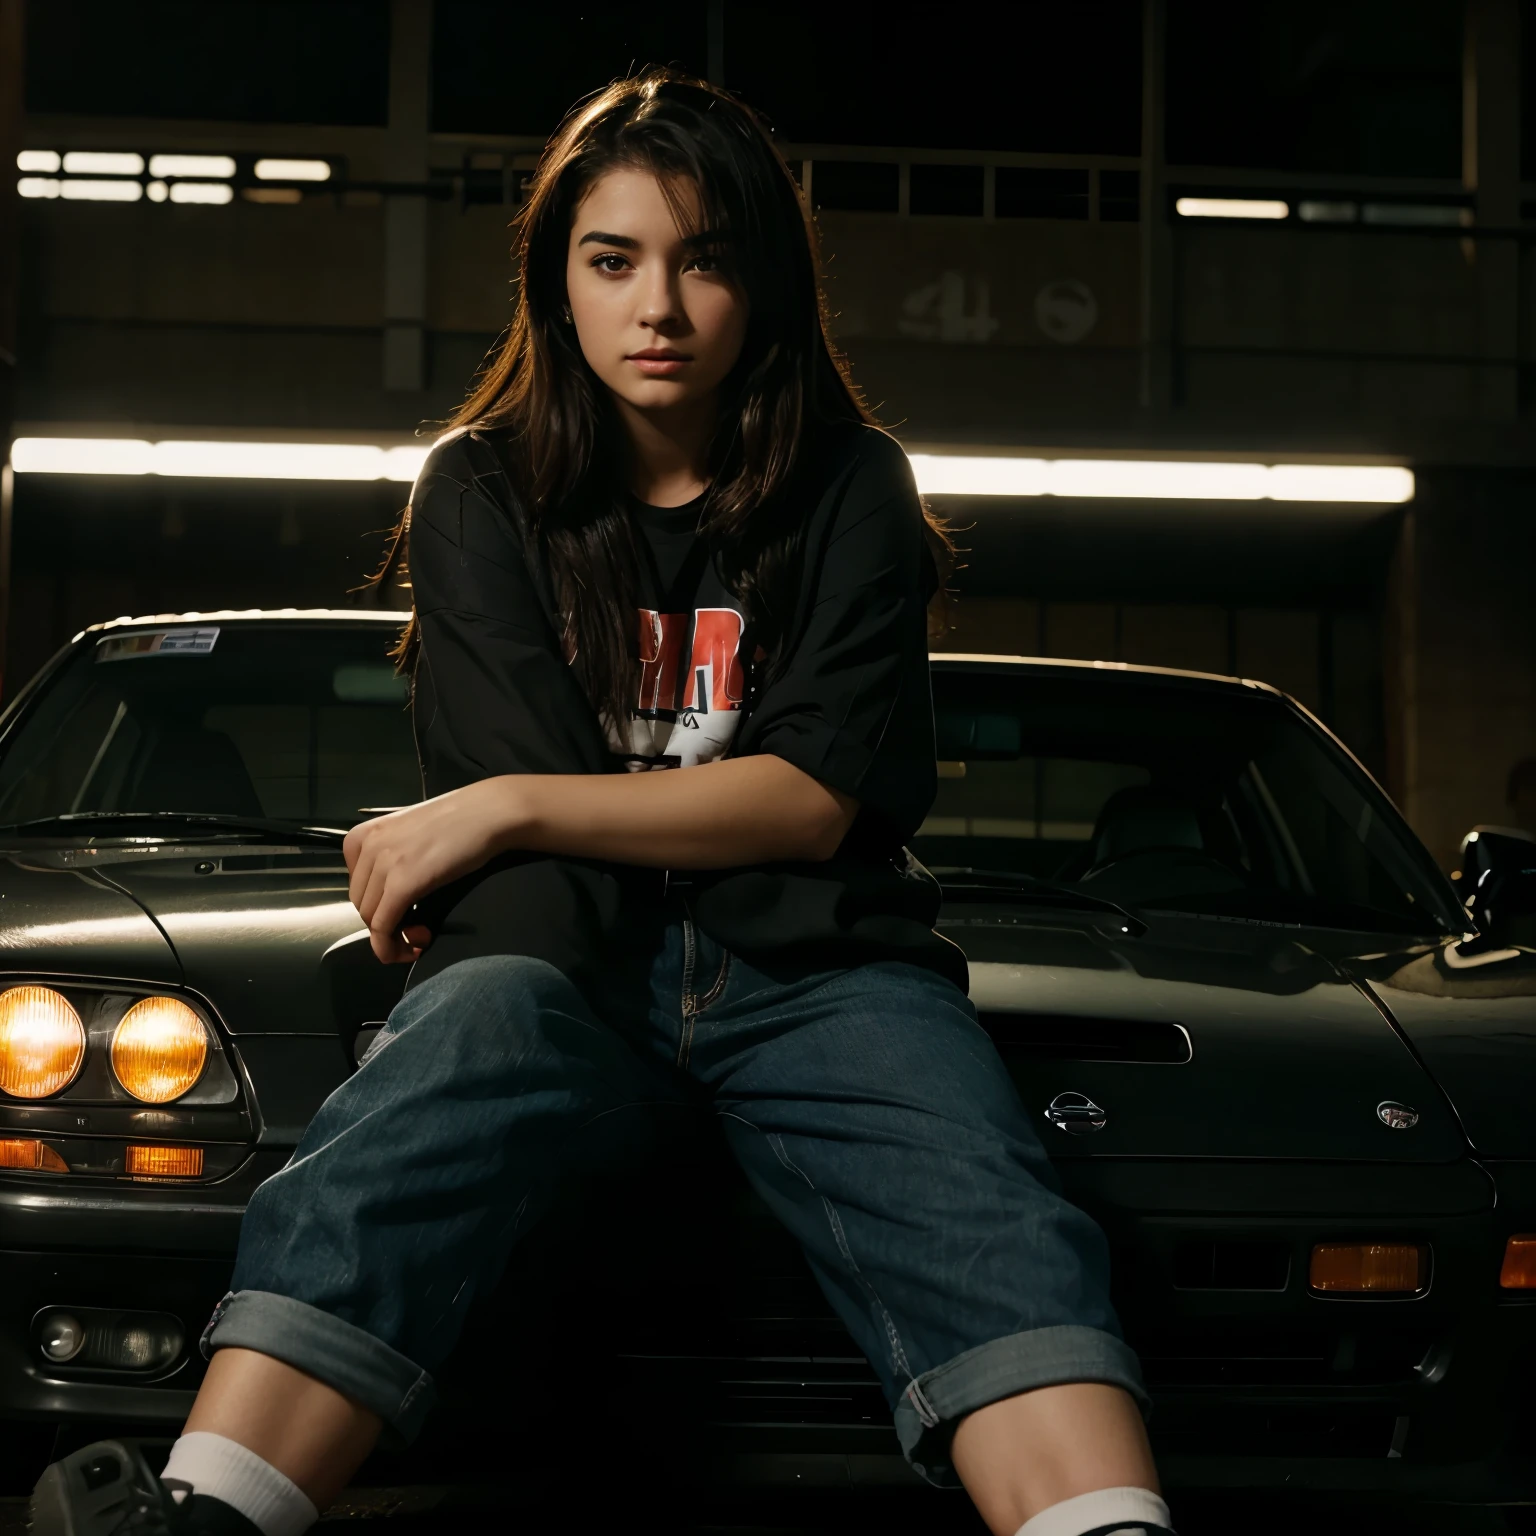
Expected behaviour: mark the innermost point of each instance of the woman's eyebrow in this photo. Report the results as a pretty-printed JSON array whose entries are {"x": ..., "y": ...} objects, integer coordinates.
[{"x": 629, "y": 243}]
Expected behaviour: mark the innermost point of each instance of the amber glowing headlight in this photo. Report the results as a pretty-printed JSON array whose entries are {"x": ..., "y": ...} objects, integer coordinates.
[
  {"x": 159, "y": 1049},
  {"x": 42, "y": 1042},
  {"x": 1518, "y": 1272},
  {"x": 1367, "y": 1269}
]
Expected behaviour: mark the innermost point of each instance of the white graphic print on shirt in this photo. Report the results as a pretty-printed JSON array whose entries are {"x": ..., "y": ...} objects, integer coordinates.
[{"x": 691, "y": 687}]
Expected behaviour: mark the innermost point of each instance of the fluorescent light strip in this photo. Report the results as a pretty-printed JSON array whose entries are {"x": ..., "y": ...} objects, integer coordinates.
[
  {"x": 45, "y": 161},
  {"x": 1158, "y": 479},
  {"x": 215, "y": 461},
  {"x": 937, "y": 474},
  {"x": 96, "y": 162},
  {"x": 191, "y": 165},
  {"x": 101, "y": 191},
  {"x": 1231, "y": 208},
  {"x": 201, "y": 192},
  {"x": 37, "y": 186},
  {"x": 293, "y": 170}
]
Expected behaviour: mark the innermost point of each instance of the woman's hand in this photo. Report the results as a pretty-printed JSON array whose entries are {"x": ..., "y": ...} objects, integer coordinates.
[{"x": 398, "y": 858}]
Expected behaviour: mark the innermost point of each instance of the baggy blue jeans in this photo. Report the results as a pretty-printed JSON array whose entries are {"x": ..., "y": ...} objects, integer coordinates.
[{"x": 867, "y": 1107}]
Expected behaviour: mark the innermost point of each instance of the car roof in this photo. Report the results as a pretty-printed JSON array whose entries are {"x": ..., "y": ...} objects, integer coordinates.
[
  {"x": 252, "y": 615},
  {"x": 1060, "y": 666},
  {"x": 946, "y": 660}
]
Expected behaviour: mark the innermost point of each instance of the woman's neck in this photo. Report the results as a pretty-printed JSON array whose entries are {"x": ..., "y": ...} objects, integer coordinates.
[{"x": 666, "y": 459}]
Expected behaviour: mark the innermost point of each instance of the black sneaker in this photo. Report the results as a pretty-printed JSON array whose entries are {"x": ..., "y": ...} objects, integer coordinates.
[{"x": 107, "y": 1489}]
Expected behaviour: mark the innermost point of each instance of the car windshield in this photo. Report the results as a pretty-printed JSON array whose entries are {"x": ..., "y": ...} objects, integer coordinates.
[
  {"x": 1155, "y": 796},
  {"x": 287, "y": 721}
]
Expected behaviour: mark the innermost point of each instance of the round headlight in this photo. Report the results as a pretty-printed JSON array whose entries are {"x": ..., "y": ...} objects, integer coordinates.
[
  {"x": 42, "y": 1042},
  {"x": 159, "y": 1049}
]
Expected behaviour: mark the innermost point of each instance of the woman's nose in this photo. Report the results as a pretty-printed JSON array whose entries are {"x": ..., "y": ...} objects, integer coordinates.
[{"x": 661, "y": 302}]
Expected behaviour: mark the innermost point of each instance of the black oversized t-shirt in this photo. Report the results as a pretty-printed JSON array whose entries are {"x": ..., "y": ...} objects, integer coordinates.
[{"x": 845, "y": 697}]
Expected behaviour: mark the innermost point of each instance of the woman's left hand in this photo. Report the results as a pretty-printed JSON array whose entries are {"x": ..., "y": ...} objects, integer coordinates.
[{"x": 398, "y": 858}]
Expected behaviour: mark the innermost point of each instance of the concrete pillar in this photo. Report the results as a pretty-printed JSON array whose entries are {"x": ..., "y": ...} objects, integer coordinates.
[
  {"x": 1156, "y": 390},
  {"x": 405, "y": 216},
  {"x": 1490, "y": 150}
]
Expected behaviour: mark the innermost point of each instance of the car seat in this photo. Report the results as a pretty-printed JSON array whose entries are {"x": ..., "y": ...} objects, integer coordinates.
[{"x": 194, "y": 770}]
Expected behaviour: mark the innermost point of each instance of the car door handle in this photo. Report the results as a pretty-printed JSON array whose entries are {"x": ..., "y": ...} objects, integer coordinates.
[{"x": 1076, "y": 1114}]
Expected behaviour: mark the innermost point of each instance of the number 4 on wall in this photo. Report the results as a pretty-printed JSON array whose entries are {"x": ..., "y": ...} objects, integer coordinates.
[{"x": 937, "y": 311}]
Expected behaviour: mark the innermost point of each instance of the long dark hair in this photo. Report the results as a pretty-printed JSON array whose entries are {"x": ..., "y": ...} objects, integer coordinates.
[{"x": 555, "y": 419}]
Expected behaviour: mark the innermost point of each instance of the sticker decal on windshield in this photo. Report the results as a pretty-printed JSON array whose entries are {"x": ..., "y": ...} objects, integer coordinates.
[{"x": 157, "y": 642}]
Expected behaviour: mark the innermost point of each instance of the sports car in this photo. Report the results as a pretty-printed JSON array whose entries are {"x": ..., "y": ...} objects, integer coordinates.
[{"x": 1282, "y": 1060}]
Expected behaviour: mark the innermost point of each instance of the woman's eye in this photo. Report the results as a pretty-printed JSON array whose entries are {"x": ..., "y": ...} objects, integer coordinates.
[
  {"x": 611, "y": 262},
  {"x": 706, "y": 264}
]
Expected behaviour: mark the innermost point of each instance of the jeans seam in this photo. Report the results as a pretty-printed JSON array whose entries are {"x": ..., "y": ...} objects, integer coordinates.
[
  {"x": 685, "y": 1037},
  {"x": 712, "y": 997},
  {"x": 892, "y": 1334}
]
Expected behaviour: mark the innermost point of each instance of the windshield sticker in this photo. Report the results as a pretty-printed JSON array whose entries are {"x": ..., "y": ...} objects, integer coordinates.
[{"x": 157, "y": 642}]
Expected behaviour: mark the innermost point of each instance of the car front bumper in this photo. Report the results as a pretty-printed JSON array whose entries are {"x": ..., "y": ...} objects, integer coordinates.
[{"x": 720, "y": 1332}]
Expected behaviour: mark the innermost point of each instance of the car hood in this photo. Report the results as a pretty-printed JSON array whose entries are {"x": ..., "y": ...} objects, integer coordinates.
[
  {"x": 1470, "y": 1013},
  {"x": 59, "y": 916},
  {"x": 1200, "y": 1038},
  {"x": 266, "y": 934}
]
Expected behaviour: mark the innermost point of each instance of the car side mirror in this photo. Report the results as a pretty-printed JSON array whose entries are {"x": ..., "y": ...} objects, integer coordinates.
[{"x": 1497, "y": 883}]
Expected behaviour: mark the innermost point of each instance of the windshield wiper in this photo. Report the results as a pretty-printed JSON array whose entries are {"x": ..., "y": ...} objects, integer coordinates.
[
  {"x": 1014, "y": 885},
  {"x": 68, "y": 821}
]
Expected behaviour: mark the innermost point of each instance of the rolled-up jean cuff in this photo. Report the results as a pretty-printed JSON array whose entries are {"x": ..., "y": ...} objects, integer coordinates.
[
  {"x": 937, "y": 1400},
  {"x": 339, "y": 1353}
]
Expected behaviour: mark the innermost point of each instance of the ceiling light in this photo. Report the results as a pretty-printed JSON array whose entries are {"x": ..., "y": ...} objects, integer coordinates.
[
  {"x": 938, "y": 474},
  {"x": 214, "y": 460},
  {"x": 156, "y": 191},
  {"x": 191, "y": 165},
  {"x": 293, "y": 170},
  {"x": 36, "y": 186},
  {"x": 201, "y": 192},
  {"x": 101, "y": 191},
  {"x": 1231, "y": 208},
  {"x": 45, "y": 160},
  {"x": 1313, "y": 212},
  {"x": 98, "y": 162},
  {"x": 1158, "y": 479}
]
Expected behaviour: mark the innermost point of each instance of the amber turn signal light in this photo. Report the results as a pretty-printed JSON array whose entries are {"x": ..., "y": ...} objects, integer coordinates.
[
  {"x": 1367, "y": 1269},
  {"x": 1519, "y": 1269},
  {"x": 157, "y": 1162},
  {"x": 23, "y": 1152}
]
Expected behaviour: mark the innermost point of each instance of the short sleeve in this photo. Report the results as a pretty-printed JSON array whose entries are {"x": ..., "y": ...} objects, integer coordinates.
[
  {"x": 852, "y": 704},
  {"x": 493, "y": 693}
]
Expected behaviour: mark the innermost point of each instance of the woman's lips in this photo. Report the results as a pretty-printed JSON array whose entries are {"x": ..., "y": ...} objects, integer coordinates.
[{"x": 658, "y": 364}]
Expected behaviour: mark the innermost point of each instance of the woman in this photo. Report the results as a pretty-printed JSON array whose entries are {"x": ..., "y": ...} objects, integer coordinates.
[{"x": 665, "y": 431}]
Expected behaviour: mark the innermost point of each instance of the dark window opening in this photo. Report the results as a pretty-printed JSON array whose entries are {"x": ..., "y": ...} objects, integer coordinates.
[
  {"x": 856, "y": 186},
  {"x": 947, "y": 189},
  {"x": 1023, "y": 193}
]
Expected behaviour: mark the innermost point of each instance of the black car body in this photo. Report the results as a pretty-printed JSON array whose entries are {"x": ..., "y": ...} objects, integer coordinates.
[{"x": 1237, "y": 996}]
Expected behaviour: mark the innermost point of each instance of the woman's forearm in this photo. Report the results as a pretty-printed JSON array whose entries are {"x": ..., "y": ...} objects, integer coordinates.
[{"x": 746, "y": 810}]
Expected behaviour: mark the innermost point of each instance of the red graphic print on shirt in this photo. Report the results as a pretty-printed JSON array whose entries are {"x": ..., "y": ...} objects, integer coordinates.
[{"x": 691, "y": 688}]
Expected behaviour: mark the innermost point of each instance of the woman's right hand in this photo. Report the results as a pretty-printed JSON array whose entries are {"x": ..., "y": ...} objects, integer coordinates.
[{"x": 398, "y": 858}]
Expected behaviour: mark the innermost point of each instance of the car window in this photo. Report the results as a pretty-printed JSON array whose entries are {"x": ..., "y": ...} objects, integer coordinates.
[
  {"x": 291, "y": 722},
  {"x": 1155, "y": 795}
]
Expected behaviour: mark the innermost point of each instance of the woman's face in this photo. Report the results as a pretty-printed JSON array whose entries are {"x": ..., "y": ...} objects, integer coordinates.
[{"x": 658, "y": 319}]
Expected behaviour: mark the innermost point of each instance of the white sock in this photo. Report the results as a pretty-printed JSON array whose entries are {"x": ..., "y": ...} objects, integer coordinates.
[
  {"x": 1133, "y": 1507},
  {"x": 225, "y": 1469}
]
